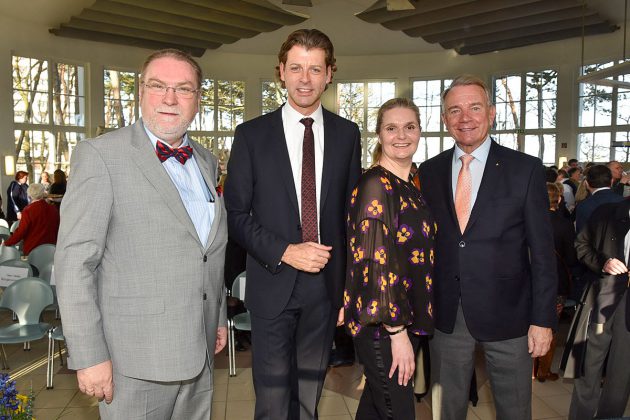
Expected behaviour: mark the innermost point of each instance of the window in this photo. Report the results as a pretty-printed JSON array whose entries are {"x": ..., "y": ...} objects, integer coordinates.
[
  {"x": 435, "y": 138},
  {"x": 221, "y": 110},
  {"x": 359, "y": 102},
  {"x": 48, "y": 113},
  {"x": 603, "y": 120},
  {"x": 121, "y": 98},
  {"x": 526, "y": 113},
  {"x": 273, "y": 96}
]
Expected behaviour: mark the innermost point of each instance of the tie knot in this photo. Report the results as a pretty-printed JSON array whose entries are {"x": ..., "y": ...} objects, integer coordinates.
[
  {"x": 308, "y": 122},
  {"x": 466, "y": 159}
]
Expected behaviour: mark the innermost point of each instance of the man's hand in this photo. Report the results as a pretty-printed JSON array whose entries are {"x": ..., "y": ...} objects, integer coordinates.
[
  {"x": 97, "y": 381},
  {"x": 310, "y": 257},
  {"x": 221, "y": 339},
  {"x": 340, "y": 317},
  {"x": 614, "y": 266},
  {"x": 538, "y": 340}
]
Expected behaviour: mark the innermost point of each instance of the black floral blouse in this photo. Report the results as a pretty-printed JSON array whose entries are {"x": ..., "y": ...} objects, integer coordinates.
[{"x": 391, "y": 235}]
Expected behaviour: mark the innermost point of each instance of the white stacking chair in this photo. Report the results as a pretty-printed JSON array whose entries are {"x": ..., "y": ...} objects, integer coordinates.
[{"x": 241, "y": 322}]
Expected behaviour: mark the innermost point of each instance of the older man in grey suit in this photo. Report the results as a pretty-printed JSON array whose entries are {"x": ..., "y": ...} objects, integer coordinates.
[{"x": 139, "y": 260}]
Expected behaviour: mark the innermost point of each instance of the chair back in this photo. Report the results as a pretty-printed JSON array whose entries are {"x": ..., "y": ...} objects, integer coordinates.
[
  {"x": 238, "y": 287},
  {"x": 14, "y": 226},
  {"x": 4, "y": 232},
  {"x": 41, "y": 256},
  {"x": 27, "y": 297},
  {"x": 4, "y": 223},
  {"x": 20, "y": 264},
  {"x": 9, "y": 253},
  {"x": 45, "y": 273}
]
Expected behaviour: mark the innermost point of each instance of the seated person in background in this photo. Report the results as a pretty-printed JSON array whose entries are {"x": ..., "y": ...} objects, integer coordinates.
[
  {"x": 44, "y": 179},
  {"x": 39, "y": 223}
]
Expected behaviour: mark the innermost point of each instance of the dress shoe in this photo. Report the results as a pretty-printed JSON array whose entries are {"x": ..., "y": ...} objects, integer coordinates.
[
  {"x": 548, "y": 377},
  {"x": 337, "y": 360}
]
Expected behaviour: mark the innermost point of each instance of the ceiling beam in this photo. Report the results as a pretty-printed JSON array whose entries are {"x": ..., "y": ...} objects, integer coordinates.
[
  {"x": 465, "y": 11},
  {"x": 439, "y": 34},
  {"x": 151, "y": 26},
  {"x": 123, "y": 40},
  {"x": 86, "y": 25},
  {"x": 111, "y": 6},
  {"x": 523, "y": 32},
  {"x": 496, "y": 17},
  {"x": 254, "y": 9},
  {"x": 378, "y": 13},
  {"x": 214, "y": 16},
  {"x": 537, "y": 39}
]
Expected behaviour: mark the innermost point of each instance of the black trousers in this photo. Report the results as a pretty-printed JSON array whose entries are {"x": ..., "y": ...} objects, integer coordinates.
[
  {"x": 383, "y": 398},
  {"x": 290, "y": 353}
]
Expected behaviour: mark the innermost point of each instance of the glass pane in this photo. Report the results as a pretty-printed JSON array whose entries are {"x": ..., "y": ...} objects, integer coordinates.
[
  {"x": 622, "y": 154},
  {"x": 623, "y": 104},
  {"x": 231, "y": 100},
  {"x": 30, "y": 90},
  {"x": 44, "y": 151},
  {"x": 427, "y": 148},
  {"x": 509, "y": 140},
  {"x": 120, "y": 98},
  {"x": 507, "y": 100},
  {"x": 273, "y": 96},
  {"x": 594, "y": 147},
  {"x": 350, "y": 102},
  {"x": 426, "y": 94},
  {"x": 378, "y": 93},
  {"x": 447, "y": 143},
  {"x": 204, "y": 120},
  {"x": 542, "y": 146},
  {"x": 369, "y": 145}
]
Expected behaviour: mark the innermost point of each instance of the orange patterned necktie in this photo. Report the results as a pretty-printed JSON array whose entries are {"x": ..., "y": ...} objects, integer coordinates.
[{"x": 463, "y": 192}]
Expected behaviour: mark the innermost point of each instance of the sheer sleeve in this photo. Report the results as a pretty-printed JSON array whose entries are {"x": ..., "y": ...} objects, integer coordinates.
[{"x": 375, "y": 292}]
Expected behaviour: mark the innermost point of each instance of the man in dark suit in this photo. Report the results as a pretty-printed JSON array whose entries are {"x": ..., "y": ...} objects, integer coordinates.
[
  {"x": 495, "y": 273},
  {"x": 290, "y": 174},
  {"x": 603, "y": 247},
  {"x": 598, "y": 181}
]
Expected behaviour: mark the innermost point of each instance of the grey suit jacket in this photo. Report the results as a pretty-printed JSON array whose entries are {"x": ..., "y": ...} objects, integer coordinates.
[{"x": 134, "y": 283}]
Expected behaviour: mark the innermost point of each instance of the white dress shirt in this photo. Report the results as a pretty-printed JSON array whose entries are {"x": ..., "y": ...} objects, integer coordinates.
[
  {"x": 477, "y": 166},
  {"x": 294, "y": 136},
  {"x": 195, "y": 194}
]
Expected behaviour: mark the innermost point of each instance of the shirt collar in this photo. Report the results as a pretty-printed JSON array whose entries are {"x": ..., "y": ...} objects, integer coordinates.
[
  {"x": 599, "y": 189},
  {"x": 154, "y": 139},
  {"x": 480, "y": 153},
  {"x": 291, "y": 116}
]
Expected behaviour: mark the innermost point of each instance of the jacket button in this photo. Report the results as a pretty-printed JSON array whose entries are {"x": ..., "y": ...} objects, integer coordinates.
[
  {"x": 462, "y": 244},
  {"x": 205, "y": 258},
  {"x": 205, "y": 297},
  {"x": 456, "y": 278}
]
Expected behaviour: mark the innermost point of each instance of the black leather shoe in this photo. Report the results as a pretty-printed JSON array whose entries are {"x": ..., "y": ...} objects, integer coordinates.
[{"x": 337, "y": 361}]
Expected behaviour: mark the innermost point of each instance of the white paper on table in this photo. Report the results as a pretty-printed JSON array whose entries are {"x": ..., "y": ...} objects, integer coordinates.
[
  {"x": 241, "y": 287},
  {"x": 10, "y": 274}
]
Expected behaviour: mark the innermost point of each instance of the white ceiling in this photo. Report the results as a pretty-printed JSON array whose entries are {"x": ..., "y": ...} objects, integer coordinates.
[{"x": 350, "y": 35}]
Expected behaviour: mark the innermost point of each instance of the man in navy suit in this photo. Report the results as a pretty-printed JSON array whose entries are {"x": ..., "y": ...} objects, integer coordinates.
[
  {"x": 295, "y": 265},
  {"x": 495, "y": 274},
  {"x": 598, "y": 181}
]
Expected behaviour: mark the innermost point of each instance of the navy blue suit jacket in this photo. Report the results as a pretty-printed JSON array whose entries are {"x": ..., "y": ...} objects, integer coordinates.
[
  {"x": 503, "y": 266},
  {"x": 584, "y": 209},
  {"x": 263, "y": 212}
]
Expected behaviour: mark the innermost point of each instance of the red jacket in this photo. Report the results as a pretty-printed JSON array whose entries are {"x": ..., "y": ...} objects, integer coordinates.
[{"x": 39, "y": 225}]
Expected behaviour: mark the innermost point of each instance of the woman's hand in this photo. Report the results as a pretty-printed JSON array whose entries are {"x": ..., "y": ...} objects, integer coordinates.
[
  {"x": 403, "y": 358},
  {"x": 19, "y": 215}
]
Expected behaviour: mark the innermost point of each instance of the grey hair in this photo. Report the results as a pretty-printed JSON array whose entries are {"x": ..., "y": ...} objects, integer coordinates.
[{"x": 36, "y": 191}]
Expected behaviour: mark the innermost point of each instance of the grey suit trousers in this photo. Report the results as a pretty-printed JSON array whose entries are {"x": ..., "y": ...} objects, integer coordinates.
[
  {"x": 586, "y": 399},
  {"x": 137, "y": 399},
  {"x": 508, "y": 363}
]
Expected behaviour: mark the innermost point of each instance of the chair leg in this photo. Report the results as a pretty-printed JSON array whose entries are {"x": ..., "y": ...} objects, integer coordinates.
[
  {"x": 59, "y": 347},
  {"x": 5, "y": 360},
  {"x": 51, "y": 361},
  {"x": 231, "y": 357},
  {"x": 27, "y": 346}
]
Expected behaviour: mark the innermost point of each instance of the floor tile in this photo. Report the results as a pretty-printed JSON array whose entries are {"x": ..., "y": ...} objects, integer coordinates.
[
  {"x": 54, "y": 398},
  {"x": 218, "y": 410},
  {"x": 47, "y": 413},
  {"x": 240, "y": 392},
  {"x": 549, "y": 388},
  {"x": 540, "y": 410},
  {"x": 340, "y": 417},
  {"x": 239, "y": 410},
  {"x": 220, "y": 392},
  {"x": 484, "y": 411},
  {"x": 80, "y": 413},
  {"x": 332, "y": 406},
  {"x": 559, "y": 403},
  {"x": 82, "y": 400},
  {"x": 352, "y": 404}
]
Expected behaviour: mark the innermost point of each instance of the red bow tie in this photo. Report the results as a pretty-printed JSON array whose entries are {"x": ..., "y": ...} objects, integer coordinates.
[{"x": 182, "y": 154}]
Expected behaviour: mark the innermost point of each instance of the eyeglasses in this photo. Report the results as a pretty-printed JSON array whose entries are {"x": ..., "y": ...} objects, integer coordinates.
[{"x": 160, "y": 89}]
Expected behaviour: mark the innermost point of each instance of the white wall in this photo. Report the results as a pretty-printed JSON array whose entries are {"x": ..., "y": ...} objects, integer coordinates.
[{"x": 31, "y": 40}]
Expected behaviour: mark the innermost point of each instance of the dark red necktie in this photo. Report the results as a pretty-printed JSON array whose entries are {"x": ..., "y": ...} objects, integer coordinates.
[
  {"x": 182, "y": 154},
  {"x": 309, "y": 195}
]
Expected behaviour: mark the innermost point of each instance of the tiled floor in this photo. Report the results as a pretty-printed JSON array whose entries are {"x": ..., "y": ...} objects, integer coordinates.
[{"x": 234, "y": 396}]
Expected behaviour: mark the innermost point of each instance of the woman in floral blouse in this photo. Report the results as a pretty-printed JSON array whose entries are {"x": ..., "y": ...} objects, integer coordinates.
[{"x": 388, "y": 297}]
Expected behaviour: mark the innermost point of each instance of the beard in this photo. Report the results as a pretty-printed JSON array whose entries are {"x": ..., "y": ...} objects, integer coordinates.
[{"x": 166, "y": 128}]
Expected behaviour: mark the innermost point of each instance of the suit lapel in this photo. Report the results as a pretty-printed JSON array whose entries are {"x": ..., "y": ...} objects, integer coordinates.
[
  {"x": 622, "y": 226},
  {"x": 329, "y": 156},
  {"x": 491, "y": 175},
  {"x": 208, "y": 174},
  {"x": 447, "y": 191},
  {"x": 278, "y": 144},
  {"x": 144, "y": 157}
]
